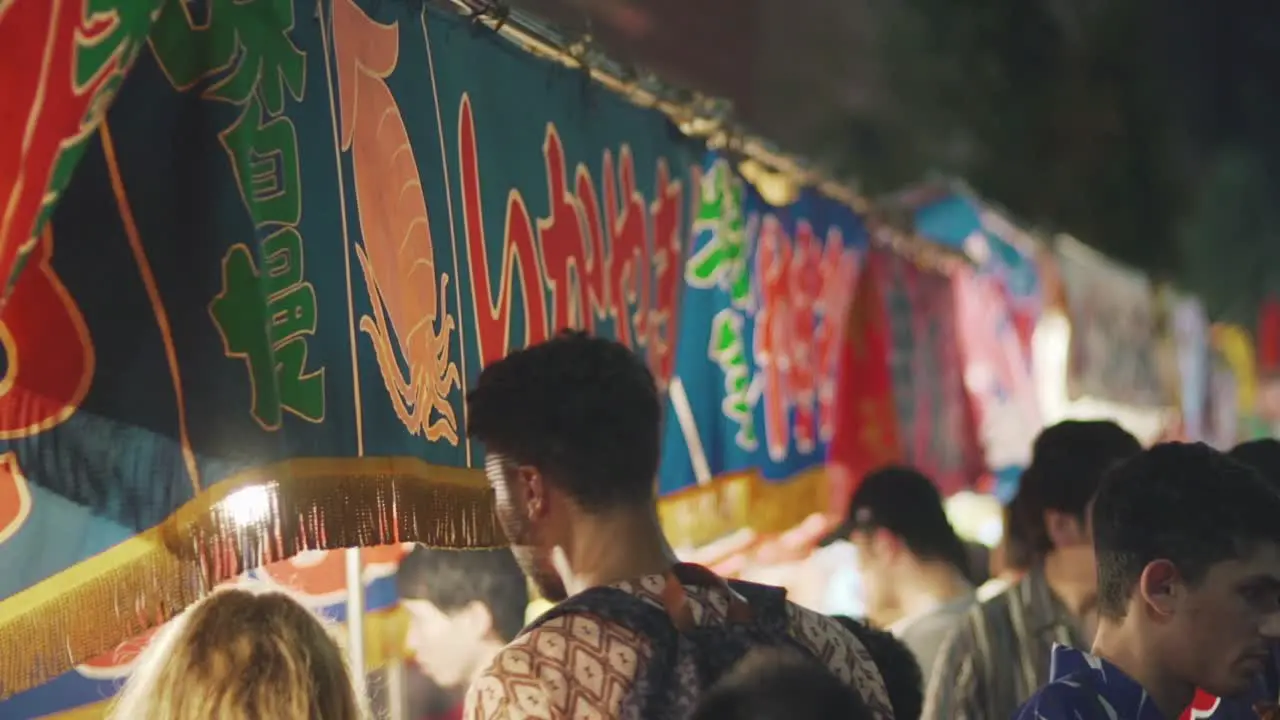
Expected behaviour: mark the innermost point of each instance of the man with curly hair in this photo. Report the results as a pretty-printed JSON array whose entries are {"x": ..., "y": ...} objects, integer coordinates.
[{"x": 571, "y": 430}]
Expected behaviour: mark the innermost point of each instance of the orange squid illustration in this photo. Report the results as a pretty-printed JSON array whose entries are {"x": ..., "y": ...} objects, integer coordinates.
[{"x": 396, "y": 252}]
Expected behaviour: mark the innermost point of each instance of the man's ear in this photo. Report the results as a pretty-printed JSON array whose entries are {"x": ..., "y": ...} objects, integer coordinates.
[
  {"x": 1160, "y": 587},
  {"x": 1064, "y": 529},
  {"x": 537, "y": 500}
]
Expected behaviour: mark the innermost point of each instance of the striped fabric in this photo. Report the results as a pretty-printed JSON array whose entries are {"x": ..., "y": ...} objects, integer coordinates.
[{"x": 999, "y": 655}]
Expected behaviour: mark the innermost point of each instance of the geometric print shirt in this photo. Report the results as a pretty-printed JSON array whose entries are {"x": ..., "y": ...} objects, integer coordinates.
[{"x": 580, "y": 667}]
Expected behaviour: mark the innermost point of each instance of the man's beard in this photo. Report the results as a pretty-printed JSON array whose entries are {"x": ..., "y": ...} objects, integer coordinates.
[
  {"x": 537, "y": 567},
  {"x": 532, "y": 558}
]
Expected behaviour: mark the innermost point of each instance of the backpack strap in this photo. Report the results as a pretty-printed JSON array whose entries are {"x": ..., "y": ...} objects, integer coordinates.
[
  {"x": 614, "y": 606},
  {"x": 748, "y": 602}
]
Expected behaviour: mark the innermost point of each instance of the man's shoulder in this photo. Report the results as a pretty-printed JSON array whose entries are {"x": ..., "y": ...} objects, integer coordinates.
[
  {"x": 536, "y": 674},
  {"x": 1067, "y": 697},
  {"x": 978, "y": 617},
  {"x": 825, "y": 637}
]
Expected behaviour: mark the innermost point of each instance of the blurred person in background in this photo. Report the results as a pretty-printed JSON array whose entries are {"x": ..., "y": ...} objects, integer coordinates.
[
  {"x": 1188, "y": 552},
  {"x": 779, "y": 684},
  {"x": 241, "y": 655},
  {"x": 915, "y": 569},
  {"x": 979, "y": 557},
  {"x": 463, "y": 606},
  {"x": 897, "y": 663},
  {"x": 999, "y": 654},
  {"x": 1012, "y": 557},
  {"x": 571, "y": 430}
]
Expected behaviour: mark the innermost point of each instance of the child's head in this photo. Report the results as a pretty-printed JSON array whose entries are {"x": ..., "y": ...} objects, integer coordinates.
[{"x": 780, "y": 684}]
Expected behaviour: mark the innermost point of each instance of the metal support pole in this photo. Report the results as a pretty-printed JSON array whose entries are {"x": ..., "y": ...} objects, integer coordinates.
[{"x": 355, "y": 618}]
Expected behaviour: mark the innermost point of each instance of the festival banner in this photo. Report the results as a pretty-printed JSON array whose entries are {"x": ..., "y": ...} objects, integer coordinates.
[
  {"x": 317, "y": 578},
  {"x": 865, "y": 436},
  {"x": 1269, "y": 338},
  {"x": 1233, "y": 344},
  {"x": 752, "y": 400},
  {"x": 1113, "y": 354},
  {"x": 935, "y": 419},
  {"x": 1222, "y": 414},
  {"x": 1268, "y": 341},
  {"x": 1191, "y": 336},
  {"x": 61, "y": 63},
  {"x": 998, "y": 248},
  {"x": 997, "y": 373},
  {"x": 250, "y": 325}
]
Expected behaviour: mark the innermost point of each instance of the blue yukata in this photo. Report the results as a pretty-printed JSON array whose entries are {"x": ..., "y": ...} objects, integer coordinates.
[{"x": 1084, "y": 687}]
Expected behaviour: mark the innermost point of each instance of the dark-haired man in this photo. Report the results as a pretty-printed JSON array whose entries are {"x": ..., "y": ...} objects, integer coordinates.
[
  {"x": 1000, "y": 652},
  {"x": 571, "y": 433},
  {"x": 1263, "y": 456},
  {"x": 912, "y": 562},
  {"x": 463, "y": 606},
  {"x": 1188, "y": 589}
]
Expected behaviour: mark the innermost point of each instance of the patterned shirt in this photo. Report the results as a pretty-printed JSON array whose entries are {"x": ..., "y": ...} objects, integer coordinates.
[
  {"x": 1086, "y": 686},
  {"x": 999, "y": 654},
  {"x": 580, "y": 667}
]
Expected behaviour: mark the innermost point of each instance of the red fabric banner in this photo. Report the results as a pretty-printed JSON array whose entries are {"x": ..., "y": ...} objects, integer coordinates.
[
  {"x": 1269, "y": 338},
  {"x": 61, "y": 62},
  {"x": 865, "y": 434},
  {"x": 935, "y": 417}
]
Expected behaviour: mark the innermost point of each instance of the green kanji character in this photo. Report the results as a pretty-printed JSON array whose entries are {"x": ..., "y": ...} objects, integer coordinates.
[
  {"x": 722, "y": 260},
  {"x": 264, "y": 156},
  {"x": 247, "y": 320},
  {"x": 728, "y": 350},
  {"x": 246, "y": 39}
]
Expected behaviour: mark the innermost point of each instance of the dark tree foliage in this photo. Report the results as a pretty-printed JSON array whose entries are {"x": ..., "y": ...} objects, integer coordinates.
[{"x": 1150, "y": 130}]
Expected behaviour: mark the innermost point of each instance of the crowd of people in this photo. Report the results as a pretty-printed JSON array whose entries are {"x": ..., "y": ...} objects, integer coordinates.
[{"x": 1128, "y": 581}]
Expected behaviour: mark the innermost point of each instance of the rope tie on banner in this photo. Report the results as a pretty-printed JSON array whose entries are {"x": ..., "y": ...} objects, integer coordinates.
[
  {"x": 700, "y": 118},
  {"x": 493, "y": 10}
]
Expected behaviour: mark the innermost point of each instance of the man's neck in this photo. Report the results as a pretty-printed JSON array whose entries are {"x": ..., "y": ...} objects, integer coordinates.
[
  {"x": 1120, "y": 645},
  {"x": 609, "y": 548},
  {"x": 927, "y": 585},
  {"x": 1078, "y": 595}
]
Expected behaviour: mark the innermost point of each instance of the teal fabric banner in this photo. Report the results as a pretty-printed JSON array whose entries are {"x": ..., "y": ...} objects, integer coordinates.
[{"x": 300, "y": 233}]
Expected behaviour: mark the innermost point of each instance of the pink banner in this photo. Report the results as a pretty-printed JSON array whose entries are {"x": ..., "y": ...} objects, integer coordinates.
[
  {"x": 997, "y": 371},
  {"x": 935, "y": 419}
]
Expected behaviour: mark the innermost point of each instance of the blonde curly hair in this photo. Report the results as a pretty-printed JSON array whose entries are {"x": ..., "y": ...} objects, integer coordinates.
[{"x": 241, "y": 655}]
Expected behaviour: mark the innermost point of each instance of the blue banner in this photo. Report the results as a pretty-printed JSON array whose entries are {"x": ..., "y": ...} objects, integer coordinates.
[{"x": 761, "y": 320}]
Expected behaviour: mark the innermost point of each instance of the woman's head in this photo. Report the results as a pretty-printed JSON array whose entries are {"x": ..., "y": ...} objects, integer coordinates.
[{"x": 240, "y": 655}]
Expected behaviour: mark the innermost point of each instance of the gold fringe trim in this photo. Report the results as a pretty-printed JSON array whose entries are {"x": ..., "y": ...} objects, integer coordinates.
[
  {"x": 254, "y": 518},
  {"x": 694, "y": 517}
]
